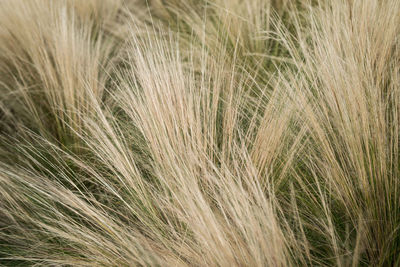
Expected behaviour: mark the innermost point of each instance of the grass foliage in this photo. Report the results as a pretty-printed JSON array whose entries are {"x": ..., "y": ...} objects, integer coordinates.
[{"x": 199, "y": 133}]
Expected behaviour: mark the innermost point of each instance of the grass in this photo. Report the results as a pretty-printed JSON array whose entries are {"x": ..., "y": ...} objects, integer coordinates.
[{"x": 199, "y": 133}]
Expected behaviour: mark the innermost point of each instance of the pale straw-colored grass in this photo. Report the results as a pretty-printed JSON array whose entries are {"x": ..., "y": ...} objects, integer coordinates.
[{"x": 199, "y": 133}]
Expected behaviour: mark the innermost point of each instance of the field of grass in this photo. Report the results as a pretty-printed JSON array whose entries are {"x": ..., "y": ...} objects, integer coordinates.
[{"x": 199, "y": 133}]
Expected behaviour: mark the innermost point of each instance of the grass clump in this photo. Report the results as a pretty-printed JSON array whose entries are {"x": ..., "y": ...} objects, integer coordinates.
[{"x": 199, "y": 133}]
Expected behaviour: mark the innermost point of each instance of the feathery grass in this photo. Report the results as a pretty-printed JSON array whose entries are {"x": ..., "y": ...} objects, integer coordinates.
[{"x": 199, "y": 133}]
